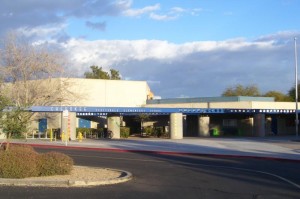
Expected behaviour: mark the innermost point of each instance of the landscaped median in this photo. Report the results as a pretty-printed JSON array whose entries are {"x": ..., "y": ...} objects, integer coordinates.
[
  {"x": 22, "y": 165},
  {"x": 80, "y": 176}
]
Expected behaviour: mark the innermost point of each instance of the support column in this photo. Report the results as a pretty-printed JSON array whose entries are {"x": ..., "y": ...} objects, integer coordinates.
[
  {"x": 68, "y": 124},
  {"x": 259, "y": 125},
  {"x": 64, "y": 123},
  {"x": 203, "y": 126},
  {"x": 72, "y": 125},
  {"x": 176, "y": 125},
  {"x": 113, "y": 124}
]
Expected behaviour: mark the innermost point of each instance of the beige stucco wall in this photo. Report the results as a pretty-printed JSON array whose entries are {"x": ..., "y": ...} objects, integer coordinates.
[
  {"x": 181, "y": 105},
  {"x": 108, "y": 93},
  {"x": 273, "y": 105},
  {"x": 233, "y": 105},
  {"x": 99, "y": 93},
  {"x": 230, "y": 105}
]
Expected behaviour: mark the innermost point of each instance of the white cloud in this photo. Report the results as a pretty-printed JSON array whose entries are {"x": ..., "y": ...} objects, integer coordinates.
[
  {"x": 137, "y": 12},
  {"x": 178, "y": 9},
  {"x": 162, "y": 17},
  {"x": 174, "y": 13},
  {"x": 195, "y": 69},
  {"x": 117, "y": 51},
  {"x": 42, "y": 31}
]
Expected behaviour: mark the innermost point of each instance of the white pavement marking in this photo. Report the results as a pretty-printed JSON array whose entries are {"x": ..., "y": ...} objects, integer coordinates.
[{"x": 249, "y": 170}]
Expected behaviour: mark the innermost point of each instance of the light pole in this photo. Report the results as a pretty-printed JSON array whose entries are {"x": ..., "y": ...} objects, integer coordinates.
[{"x": 296, "y": 87}]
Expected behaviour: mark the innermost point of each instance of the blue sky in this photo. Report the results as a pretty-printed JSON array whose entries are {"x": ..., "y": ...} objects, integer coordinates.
[
  {"x": 197, "y": 20},
  {"x": 190, "y": 48}
]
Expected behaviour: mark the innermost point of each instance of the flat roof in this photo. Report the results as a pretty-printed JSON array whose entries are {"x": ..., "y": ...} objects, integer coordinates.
[{"x": 210, "y": 99}]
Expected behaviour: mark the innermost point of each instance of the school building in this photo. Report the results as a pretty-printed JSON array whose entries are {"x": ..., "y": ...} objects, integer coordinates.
[{"x": 115, "y": 103}]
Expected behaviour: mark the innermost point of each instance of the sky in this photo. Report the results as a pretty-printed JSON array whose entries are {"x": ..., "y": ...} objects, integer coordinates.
[{"x": 190, "y": 48}]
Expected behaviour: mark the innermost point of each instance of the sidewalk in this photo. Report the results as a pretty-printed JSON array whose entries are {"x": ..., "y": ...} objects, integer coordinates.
[{"x": 267, "y": 147}]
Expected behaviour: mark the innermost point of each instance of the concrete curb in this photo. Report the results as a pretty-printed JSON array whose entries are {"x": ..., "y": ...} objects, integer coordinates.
[{"x": 124, "y": 177}]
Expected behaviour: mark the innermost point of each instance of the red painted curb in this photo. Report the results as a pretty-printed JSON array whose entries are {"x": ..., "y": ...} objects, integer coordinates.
[{"x": 160, "y": 152}]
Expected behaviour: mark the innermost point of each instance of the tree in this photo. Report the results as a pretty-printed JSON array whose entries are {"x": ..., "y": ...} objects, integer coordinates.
[
  {"x": 292, "y": 93},
  {"x": 279, "y": 97},
  {"x": 4, "y": 103},
  {"x": 114, "y": 74},
  {"x": 26, "y": 71},
  {"x": 142, "y": 118},
  {"x": 21, "y": 65},
  {"x": 98, "y": 73},
  {"x": 240, "y": 90},
  {"x": 12, "y": 120}
]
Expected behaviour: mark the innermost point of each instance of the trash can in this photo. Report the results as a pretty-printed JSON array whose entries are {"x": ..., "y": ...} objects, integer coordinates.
[{"x": 215, "y": 132}]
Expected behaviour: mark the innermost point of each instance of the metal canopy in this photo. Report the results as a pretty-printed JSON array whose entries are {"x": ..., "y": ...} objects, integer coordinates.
[{"x": 86, "y": 110}]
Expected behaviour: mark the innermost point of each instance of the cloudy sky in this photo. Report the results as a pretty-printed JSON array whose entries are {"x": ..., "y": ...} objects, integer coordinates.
[{"x": 190, "y": 48}]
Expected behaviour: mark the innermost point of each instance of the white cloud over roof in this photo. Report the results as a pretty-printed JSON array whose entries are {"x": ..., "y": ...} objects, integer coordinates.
[{"x": 193, "y": 68}]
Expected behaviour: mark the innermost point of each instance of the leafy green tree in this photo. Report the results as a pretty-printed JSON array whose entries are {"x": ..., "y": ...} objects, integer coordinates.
[
  {"x": 114, "y": 74},
  {"x": 240, "y": 90},
  {"x": 98, "y": 73},
  {"x": 279, "y": 97},
  {"x": 3, "y": 103},
  {"x": 142, "y": 118},
  {"x": 292, "y": 93},
  {"x": 13, "y": 120}
]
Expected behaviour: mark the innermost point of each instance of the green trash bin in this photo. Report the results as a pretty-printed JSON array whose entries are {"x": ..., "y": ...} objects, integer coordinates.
[{"x": 216, "y": 132}]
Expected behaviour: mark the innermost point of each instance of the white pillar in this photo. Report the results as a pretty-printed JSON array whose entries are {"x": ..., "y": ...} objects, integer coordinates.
[
  {"x": 259, "y": 125},
  {"x": 176, "y": 124},
  {"x": 68, "y": 125},
  {"x": 113, "y": 124},
  {"x": 73, "y": 121},
  {"x": 203, "y": 126},
  {"x": 64, "y": 123}
]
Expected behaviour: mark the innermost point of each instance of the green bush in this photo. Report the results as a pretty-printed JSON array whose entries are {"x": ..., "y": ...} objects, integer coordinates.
[
  {"x": 149, "y": 131},
  {"x": 124, "y": 132},
  {"x": 19, "y": 161},
  {"x": 54, "y": 163}
]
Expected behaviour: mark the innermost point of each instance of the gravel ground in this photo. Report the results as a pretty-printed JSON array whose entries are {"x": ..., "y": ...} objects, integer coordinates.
[{"x": 84, "y": 174}]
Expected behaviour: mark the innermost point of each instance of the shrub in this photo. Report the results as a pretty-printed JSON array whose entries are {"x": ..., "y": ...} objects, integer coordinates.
[
  {"x": 124, "y": 132},
  {"x": 54, "y": 163},
  {"x": 149, "y": 131},
  {"x": 19, "y": 161}
]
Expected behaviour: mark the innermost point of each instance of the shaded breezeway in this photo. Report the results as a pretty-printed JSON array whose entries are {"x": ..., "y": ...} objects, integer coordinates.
[{"x": 192, "y": 121}]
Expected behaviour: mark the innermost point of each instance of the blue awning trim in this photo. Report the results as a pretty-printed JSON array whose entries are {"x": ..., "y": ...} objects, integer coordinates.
[{"x": 82, "y": 110}]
